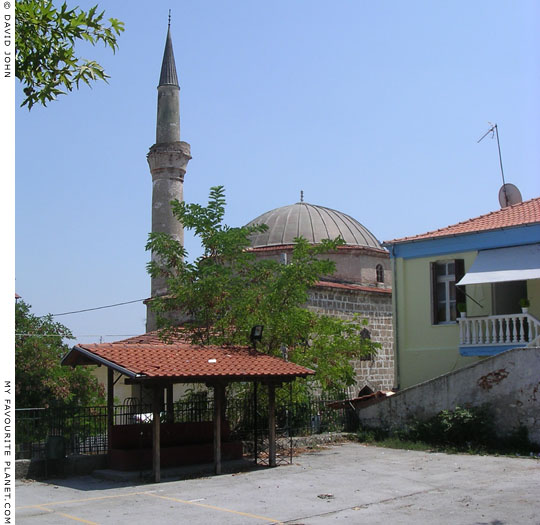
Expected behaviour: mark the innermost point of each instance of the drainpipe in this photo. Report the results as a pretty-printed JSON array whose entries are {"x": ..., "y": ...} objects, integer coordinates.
[{"x": 395, "y": 320}]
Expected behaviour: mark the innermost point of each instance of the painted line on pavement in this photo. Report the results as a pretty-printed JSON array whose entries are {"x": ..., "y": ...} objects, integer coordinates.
[
  {"x": 76, "y": 519},
  {"x": 44, "y": 506},
  {"x": 40, "y": 507},
  {"x": 221, "y": 509},
  {"x": 80, "y": 500}
]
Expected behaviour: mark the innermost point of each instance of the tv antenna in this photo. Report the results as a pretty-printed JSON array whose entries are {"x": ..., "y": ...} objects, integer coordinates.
[{"x": 508, "y": 194}]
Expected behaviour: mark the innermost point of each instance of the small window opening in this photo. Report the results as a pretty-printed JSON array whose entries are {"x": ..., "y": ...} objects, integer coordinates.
[
  {"x": 366, "y": 334},
  {"x": 365, "y": 391},
  {"x": 380, "y": 273}
]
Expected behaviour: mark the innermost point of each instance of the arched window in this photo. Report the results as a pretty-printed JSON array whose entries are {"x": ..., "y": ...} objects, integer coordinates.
[
  {"x": 365, "y": 334},
  {"x": 380, "y": 273},
  {"x": 366, "y": 391}
]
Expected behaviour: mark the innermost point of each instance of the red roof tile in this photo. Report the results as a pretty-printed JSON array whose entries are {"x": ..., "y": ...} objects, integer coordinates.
[
  {"x": 352, "y": 287},
  {"x": 527, "y": 212},
  {"x": 362, "y": 401},
  {"x": 149, "y": 338},
  {"x": 149, "y": 357}
]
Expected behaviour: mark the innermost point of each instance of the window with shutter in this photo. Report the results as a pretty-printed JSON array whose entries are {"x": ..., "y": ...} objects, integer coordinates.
[{"x": 444, "y": 293}]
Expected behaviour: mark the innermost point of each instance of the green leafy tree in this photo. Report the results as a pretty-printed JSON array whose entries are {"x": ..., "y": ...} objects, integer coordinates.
[
  {"x": 227, "y": 291},
  {"x": 40, "y": 379},
  {"x": 45, "y": 39}
]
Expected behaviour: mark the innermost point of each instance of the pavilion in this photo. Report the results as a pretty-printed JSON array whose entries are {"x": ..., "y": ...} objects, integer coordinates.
[{"x": 148, "y": 361}]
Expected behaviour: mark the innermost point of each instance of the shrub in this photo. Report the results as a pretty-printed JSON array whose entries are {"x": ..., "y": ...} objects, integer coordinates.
[{"x": 464, "y": 429}]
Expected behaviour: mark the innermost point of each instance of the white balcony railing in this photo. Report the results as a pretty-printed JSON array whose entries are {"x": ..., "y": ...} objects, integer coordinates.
[{"x": 499, "y": 330}]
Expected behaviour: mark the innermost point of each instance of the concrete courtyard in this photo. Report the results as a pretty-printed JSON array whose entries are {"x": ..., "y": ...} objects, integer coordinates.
[{"x": 348, "y": 483}]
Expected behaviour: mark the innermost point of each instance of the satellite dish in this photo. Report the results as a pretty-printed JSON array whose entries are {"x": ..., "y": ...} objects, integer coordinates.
[{"x": 509, "y": 195}]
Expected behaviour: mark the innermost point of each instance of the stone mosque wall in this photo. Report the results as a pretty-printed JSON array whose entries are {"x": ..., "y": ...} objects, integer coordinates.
[{"x": 345, "y": 301}]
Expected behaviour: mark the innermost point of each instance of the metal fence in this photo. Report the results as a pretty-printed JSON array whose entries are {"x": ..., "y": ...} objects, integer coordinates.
[
  {"x": 77, "y": 430},
  {"x": 54, "y": 432}
]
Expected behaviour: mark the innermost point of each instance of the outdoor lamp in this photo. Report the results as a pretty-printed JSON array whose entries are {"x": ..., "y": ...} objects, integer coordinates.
[{"x": 256, "y": 333}]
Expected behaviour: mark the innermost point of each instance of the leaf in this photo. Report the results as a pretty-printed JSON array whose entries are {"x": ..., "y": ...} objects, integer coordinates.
[
  {"x": 40, "y": 379},
  {"x": 228, "y": 290},
  {"x": 45, "y": 37}
]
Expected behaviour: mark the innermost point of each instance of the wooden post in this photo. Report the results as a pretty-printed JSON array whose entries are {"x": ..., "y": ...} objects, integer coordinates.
[
  {"x": 110, "y": 407},
  {"x": 271, "y": 425},
  {"x": 156, "y": 446},
  {"x": 170, "y": 404},
  {"x": 255, "y": 429},
  {"x": 219, "y": 394}
]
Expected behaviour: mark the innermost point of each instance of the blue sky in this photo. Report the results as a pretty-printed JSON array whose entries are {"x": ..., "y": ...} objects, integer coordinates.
[{"x": 370, "y": 108}]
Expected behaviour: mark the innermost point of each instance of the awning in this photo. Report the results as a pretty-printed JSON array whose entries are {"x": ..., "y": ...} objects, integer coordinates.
[{"x": 518, "y": 263}]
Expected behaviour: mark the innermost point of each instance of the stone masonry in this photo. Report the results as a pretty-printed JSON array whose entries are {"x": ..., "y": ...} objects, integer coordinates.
[
  {"x": 508, "y": 382},
  {"x": 375, "y": 306},
  {"x": 167, "y": 159}
]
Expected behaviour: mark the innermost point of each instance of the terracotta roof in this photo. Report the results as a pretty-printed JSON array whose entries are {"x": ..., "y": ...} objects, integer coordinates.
[
  {"x": 524, "y": 213},
  {"x": 362, "y": 401},
  {"x": 146, "y": 356},
  {"x": 353, "y": 287},
  {"x": 149, "y": 338}
]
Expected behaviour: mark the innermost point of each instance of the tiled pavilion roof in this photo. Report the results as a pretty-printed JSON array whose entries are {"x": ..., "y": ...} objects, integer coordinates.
[
  {"x": 147, "y": 357},
  {"x": 524, "y": 213}
]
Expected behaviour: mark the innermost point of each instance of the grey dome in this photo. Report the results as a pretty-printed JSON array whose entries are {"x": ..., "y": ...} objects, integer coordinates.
[{"x": 313, "y": 223}]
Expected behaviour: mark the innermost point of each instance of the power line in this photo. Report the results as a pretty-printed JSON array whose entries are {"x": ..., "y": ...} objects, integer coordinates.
[
  {"x": 97, "y": 308},
  {"x": 107, "y": 335},
  {"x": 20, "y": 334}
]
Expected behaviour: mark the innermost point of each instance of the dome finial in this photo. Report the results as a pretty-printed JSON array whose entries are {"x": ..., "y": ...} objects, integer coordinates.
[{"x": 301, "y": 195}]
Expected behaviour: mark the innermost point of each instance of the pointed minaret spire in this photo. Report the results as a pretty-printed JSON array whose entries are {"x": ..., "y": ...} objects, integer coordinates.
[
  {"x": 168, "y": 117},
  {"x": 168, "y": 159},
  {"x": 168, "y": 75}
]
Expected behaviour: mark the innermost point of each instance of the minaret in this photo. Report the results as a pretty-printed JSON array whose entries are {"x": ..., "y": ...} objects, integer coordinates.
[{"x": 167, "y": 159}]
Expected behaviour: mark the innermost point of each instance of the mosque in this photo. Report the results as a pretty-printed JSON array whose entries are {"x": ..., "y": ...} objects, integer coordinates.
[{"x": 362, "y": 281}]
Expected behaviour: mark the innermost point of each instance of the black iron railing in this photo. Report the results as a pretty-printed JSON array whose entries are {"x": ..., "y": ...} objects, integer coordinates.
[
  {"x": 41, "y": 432},
  {"x": 83, "y": 430}
]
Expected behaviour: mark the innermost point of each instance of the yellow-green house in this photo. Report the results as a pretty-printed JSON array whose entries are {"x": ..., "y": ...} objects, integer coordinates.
[{"x": 465, "y": 292}]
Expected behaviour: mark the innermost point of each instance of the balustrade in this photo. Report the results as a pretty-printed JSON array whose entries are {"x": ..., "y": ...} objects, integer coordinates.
[{"x": 499, "y": 329}]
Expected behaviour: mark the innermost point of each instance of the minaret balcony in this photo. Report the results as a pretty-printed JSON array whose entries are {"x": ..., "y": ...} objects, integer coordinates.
[{"x": 162, "y": 158}]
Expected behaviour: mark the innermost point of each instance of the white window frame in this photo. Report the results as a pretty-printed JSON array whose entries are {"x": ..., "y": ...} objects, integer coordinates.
[{"x": 449, "y": 280}]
